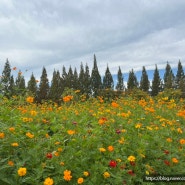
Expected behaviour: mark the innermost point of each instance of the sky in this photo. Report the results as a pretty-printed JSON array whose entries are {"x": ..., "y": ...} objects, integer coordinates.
[{"x": 126, "y": 33}]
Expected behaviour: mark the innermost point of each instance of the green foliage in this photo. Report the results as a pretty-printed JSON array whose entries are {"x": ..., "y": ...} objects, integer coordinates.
[
  {"x": 87, "y": 137},
  {"x": 32, "y": 85},
  {"x": 108, "y": 82},
  {"x": 132, "y": 80}
]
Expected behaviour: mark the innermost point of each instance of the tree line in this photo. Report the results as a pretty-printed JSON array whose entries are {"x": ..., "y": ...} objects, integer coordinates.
[{"x": 92, "y": 85}]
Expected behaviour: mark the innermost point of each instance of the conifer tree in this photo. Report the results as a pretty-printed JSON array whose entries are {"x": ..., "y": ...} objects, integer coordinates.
[
  {"x": 144, "y": 83},
  {"x": 132, "y": 80},
  {"x": 43, "y": 91},
  {"x": 108, "y": 82},
  {"x": 179, "y": 76},
  {"x": 82, "y": 79},
  {"x": 5, "y": 79},
  {"x": 64, "y": 77},
  {"x": 55, "y": 89},
  {"x": 168, "y": 77},
  {"x": 156, "y": 83},
  {"x": 75, "y": 80},
  {"x": 32, "y": 85},
  {"x": 20, "y": 84},
  {"x": 120, "y": 84},
  {"x": 69, "y": 82},
  {"x": 96, "y": 83},
  {"x": 87, "y": 81},
  {"x": 12, "y": 86}
]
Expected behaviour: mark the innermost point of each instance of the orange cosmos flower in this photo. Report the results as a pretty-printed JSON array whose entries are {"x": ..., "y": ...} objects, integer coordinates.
[
  {"x": 110, "y": 148},
  {"x": 10, "y": 163},
  {"x": 175, "y": 160},
  {"x": 182, "y": 141},
  {"x": 71, "y": 132},
  {"x": 2, "y": 135},
  {"x": 30, "y": 99}
]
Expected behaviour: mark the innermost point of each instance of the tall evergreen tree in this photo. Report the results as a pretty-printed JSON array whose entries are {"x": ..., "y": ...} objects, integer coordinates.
[
  {"x": 179, "y": 76},
  {"x": 144, "y": 83},
  {"x": 43, "y": 91},
  {"x": 55, "y": 89},
  {"x": 169, "y": 78},
  {"x": 156, "y": 82},
  {"x": 82, "y": 79},
  {"x": 70, "y": 78},
  {"x": 20, "y": 86},
  {"x": 75, "y": 80},
  {"x": 12, "y": 86},
  {"x": 96, "y": 83},
  {"x": 120, "y": 84},
  {"x": 5, "y": 79},
  {"x": 87, "y": 81},
  {"x": 32, "y": 85},
  {"x": 132, "y": 80},
  {"x": 108, "y": 82},
  {"x": 64, "y": 77}
]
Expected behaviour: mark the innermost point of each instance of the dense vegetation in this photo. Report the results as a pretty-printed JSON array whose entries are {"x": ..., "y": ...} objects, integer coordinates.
[
  {"x": 79, "y": 130},
  {"x": 90, "y": 85}
]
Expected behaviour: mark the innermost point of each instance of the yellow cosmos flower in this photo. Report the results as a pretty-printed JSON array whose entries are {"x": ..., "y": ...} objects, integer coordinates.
[
  {"x": 106, "y": 174},
  {"x": 15, "y": 144},
  {"x": 86, "y": 173},
  {"x": 48, "y": 181},
  {"x": 102, "y": 149},
  {"x": 28, "y": 134},
  {"x": 21, "y": 172},
  {"x": 182, "y": 141},
  {"x": 80, "y": 180},
  {"x": 131, "y": 158}
]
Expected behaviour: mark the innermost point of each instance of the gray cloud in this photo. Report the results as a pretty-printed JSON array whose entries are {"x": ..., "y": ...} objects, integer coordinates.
[{"x": 122, "y": 33}]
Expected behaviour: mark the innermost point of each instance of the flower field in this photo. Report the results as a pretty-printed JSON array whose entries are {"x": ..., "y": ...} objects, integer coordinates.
[{"x": 91, "y": 142}]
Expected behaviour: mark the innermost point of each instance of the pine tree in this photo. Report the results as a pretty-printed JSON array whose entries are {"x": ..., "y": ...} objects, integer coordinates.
[
  {"x": 82, "y": 79},
  {"x": 87, "y": 81},
  {"x": 20, "y": 84},
  {"x": 132, "y": 80},
  {"x": 96, "y": 83},
  {"x": 64, "y": 77},
  {"x": 179, "y": 76},
  {"x": 144, "y": 83},
  {"x": 43, "y": 86},
  {"x": 120, "y": 84},
  {"x": 12, "y": 86},
  {"x": 168, "y": 77},
  {"x": 156, "y": 83},
  {"x": 75, "y": 80},
  {"x": 5, "y": 79},
  {"x": 108, "y": 82},
  {"x": 55, "y": 89},
  {"x": 32, "y": 85},
  {"x": 70, "y": 82}
]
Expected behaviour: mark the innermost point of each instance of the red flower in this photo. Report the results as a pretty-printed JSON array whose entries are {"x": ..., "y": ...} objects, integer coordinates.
[
  {"x": 167, "y": 162},
  {"x": 130, "y": 172},
  {"x": 132, "y": 163},
  {"x": 49, "y": 155},
  {"x": 166, "y": 152},
  {"x": 118, "y": 131},
  {"x": 112, "y": 164}
]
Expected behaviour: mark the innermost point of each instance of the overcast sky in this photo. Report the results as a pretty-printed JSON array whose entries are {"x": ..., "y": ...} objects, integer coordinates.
[{"x": 125, "y": 33}]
